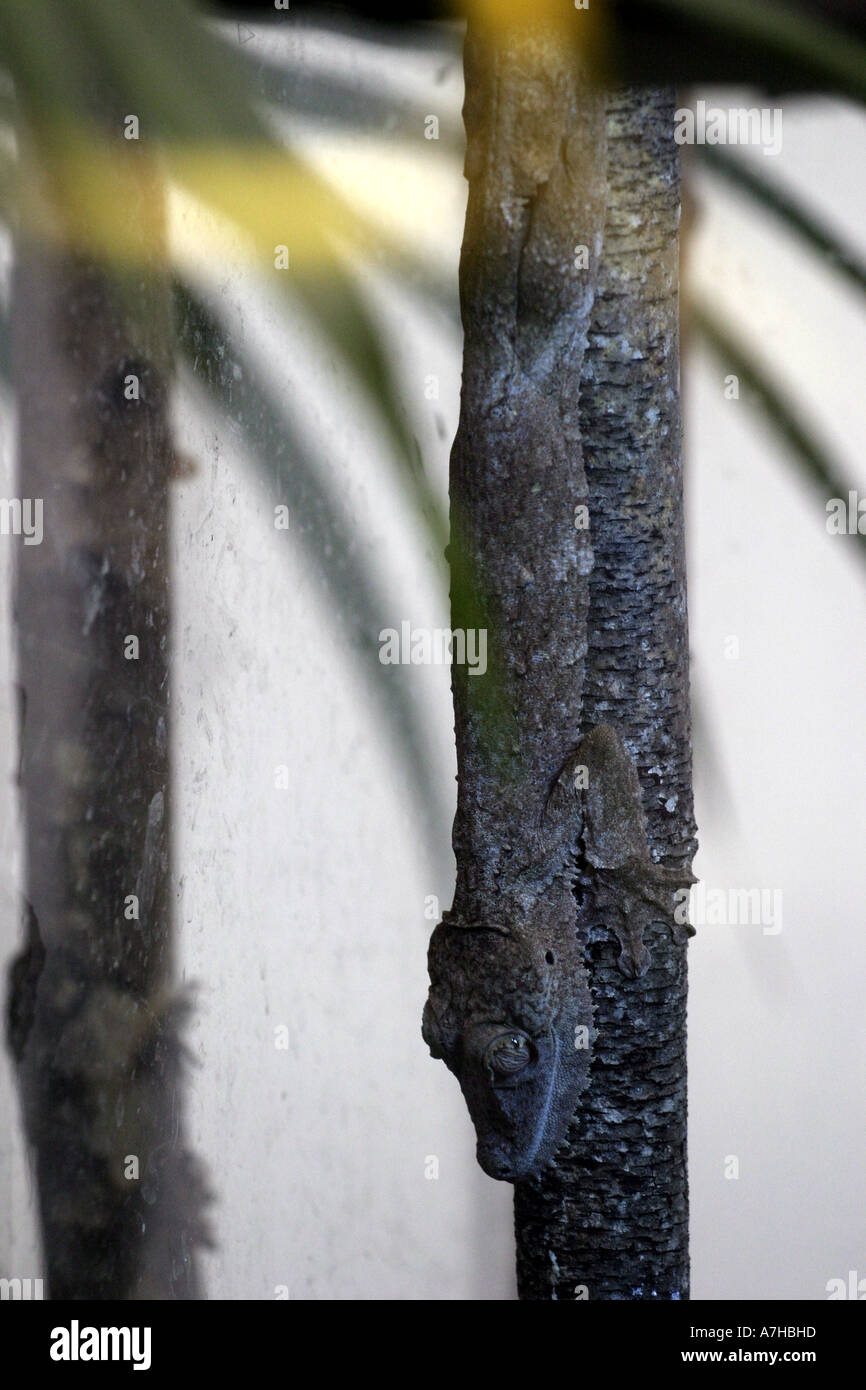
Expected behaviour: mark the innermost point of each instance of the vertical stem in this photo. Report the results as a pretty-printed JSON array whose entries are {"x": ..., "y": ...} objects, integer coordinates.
[
  {"x": 610, "y": 1219},
  {"x": 93, "y": 1022}
]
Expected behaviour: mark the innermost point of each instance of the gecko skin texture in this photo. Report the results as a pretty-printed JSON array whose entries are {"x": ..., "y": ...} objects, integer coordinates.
[{"x": 510, "y": 1009}]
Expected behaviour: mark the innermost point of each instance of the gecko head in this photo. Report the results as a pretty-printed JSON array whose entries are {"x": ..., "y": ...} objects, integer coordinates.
[{"x": 511, "y": 1017}]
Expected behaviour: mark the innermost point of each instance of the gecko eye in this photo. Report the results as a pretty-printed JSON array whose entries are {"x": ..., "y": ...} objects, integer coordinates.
[{"x": 508, "y": 1054}]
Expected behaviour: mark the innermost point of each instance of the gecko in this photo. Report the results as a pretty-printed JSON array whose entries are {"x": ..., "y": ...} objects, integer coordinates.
[{"x": 509, "y": 1009}]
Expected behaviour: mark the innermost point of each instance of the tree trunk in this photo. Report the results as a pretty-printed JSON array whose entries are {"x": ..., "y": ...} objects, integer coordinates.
[
  {"x": 92, "y": 1018},
  {"x": 612, "y": 1217},
  {"x": 569, "y": 415}
]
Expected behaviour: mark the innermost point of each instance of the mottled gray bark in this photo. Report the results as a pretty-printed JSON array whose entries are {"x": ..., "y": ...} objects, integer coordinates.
[
  {"x": 570, "y": 397},
  {"x": 612, "y": 1216},
  {"x": 92, "y": 1017}
]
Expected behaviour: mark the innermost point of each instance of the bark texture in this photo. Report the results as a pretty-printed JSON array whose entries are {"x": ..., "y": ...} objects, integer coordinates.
[
  {"x": 570, "y": 398},
  {"x": 611, "y": 1219},
  {"x": 92, "y": 1019}
]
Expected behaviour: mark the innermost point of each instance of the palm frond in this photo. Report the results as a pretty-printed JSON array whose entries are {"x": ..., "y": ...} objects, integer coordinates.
[
  {"x": 816, "y": 463},
  {"x": 292, "y": 474}
]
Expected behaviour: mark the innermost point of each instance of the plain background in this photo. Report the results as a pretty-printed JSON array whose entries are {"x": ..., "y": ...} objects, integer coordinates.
[{"x": 305, "y": 907}]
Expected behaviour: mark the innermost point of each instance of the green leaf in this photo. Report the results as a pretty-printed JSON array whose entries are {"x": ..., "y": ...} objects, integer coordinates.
[
  {"x": 39, "y": 50},
  {"x": 183, "y": 80}
]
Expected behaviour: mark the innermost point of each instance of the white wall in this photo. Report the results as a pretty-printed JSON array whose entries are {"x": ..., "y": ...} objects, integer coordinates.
[{"x": 777, "y": 1057}]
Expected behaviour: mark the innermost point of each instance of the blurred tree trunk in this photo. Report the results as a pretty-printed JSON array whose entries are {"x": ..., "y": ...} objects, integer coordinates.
[
  {"x": 93, "y": 1023},
  {"x": 588, "y": 348}
]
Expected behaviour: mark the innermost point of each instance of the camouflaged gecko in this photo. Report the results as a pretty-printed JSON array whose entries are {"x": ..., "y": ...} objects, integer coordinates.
[
  {"x": 543, "y": 854},
  {"x": 509, "y": 1010}
]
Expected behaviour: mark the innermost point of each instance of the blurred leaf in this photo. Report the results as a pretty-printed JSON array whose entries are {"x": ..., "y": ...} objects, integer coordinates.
[
  {"x": 338, "y": 311},
  {"x": 39, "y": 52},
  {"x": 184, "y": 82},
  {"x": 804, "y": 448},
  {"x": 8, "y": 186},
  {"x": 7, "y": 102},
  {"x": 192, "y": 93},
  {"x": 6, "y": 351},
  {"x": 295, "y": 477},
  {"x": 833, "y": 55},
  {"x": 327, "y": 96},
  {"x": 782, "y": 205},
  {"x": 197, "y": 110}
]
